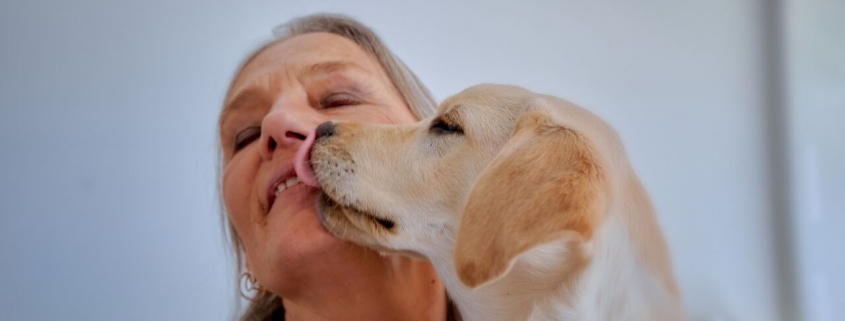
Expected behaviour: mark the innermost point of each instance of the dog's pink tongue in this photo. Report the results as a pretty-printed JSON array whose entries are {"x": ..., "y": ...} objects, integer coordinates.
[{"x": 302, "y": 161}]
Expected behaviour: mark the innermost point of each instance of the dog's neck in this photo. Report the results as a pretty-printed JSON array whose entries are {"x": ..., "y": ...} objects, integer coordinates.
[{"x": 563, "y": 280}]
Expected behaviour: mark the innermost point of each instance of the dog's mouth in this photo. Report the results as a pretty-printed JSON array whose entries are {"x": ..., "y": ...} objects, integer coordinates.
[{"x": 332, "y": 214}]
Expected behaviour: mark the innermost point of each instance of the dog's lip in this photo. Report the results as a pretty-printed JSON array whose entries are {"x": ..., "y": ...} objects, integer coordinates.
[
  {"x": 284, "y": 173},
  {"x": 330, "y": 201},
  {"x": 376, "y": 246}
]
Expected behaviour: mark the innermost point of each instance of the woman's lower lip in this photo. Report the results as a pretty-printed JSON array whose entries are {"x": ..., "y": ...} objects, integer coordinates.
[{"x": 291, "y": 195}]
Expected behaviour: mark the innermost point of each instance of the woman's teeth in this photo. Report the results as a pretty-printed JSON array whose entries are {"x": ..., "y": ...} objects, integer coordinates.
[{"x": 287, "y": 184}]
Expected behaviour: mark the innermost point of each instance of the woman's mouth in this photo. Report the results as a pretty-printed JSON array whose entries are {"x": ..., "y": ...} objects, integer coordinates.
[{"x": 284, "y": 183}]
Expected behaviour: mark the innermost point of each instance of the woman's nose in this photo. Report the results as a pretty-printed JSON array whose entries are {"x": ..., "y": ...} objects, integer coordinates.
[{"x": 284, "y": 130}]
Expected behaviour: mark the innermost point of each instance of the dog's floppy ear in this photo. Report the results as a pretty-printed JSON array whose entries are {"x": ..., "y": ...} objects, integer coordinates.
[{"x": 544, "y": 183}]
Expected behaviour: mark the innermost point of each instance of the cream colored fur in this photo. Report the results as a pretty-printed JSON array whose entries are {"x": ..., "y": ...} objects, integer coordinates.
[{"x": 526, "y": 205}]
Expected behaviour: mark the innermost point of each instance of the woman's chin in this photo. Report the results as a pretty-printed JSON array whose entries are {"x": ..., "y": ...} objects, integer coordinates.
[
  {"x": 298, "y": 256},
  {"x": 299, "y": 227},
  {"x": 297, "y": 245}
]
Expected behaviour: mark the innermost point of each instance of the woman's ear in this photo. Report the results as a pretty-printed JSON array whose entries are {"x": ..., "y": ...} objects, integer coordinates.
[{"x": 544, "y": 183}]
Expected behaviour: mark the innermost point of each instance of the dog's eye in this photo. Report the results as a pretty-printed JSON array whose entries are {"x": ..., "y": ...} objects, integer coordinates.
[{"x": 441, "y": 127}]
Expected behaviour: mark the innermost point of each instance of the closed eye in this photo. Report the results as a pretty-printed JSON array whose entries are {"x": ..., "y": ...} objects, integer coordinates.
[
  {"x": 441, "y": 126},
  {"x": 247, "y": 136},
  {"x": 339, "y": 100}
]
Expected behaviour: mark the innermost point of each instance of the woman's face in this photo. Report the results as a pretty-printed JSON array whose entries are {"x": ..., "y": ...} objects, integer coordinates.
[{"x": 275, "y": 102}]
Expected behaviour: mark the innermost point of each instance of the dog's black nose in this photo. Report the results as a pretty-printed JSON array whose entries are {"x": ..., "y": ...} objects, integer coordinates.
[{"x": 325, "y": 129}]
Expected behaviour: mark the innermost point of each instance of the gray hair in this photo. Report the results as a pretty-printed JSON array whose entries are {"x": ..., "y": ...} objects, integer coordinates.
[{"x": 267, "y": 306}]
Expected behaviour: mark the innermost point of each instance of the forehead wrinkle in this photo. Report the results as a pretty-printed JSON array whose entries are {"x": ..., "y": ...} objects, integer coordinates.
[
  {"x": 256, "y": 88},
  {"x": 283, "y": 76},
  {"x": 277, "y": 74},
  {"x": 329, "y": 67}
]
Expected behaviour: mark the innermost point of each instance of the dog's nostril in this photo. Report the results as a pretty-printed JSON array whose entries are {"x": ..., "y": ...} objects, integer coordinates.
[
  {"x": 385, "y": 223},
  {"x": 325, "y": 129}
]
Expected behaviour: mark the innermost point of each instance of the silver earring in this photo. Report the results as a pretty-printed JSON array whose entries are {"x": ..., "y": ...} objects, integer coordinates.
[{"x": 248, "y": 284}]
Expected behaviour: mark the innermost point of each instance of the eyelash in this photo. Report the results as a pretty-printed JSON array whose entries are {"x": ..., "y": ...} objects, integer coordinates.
[
  {"x": 338, "y": 100},
  {"x": 246, "y": 137},
  {"x": 441, "y": 127}
]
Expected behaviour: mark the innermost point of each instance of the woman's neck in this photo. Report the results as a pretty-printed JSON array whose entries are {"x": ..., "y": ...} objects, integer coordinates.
[{"x": 370, "y": 286}]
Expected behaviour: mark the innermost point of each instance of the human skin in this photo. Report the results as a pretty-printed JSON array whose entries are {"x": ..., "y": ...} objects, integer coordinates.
[{"x": 277, "y": 99}]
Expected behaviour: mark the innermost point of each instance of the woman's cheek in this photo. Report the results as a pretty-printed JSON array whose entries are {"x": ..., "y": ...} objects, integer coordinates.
[{"x": 237, "y": 181}]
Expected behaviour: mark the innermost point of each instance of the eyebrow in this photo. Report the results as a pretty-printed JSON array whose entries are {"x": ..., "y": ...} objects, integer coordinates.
[
  {"x": 453, "y": 115},
  {"x": 242, "y": 99}
]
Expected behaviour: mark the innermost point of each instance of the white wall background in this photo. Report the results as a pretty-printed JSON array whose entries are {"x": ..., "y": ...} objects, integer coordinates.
[
  {"x": 815, "y": 63},
  {"x": 108, "y": 207}
]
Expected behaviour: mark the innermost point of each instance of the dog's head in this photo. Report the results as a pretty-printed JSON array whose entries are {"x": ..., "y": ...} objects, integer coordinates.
[{"x": 497, "y": 171}]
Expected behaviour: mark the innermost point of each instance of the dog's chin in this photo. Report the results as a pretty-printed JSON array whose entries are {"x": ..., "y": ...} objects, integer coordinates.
[
  {"x": 351, "y": 224},
  {"x": 357, "y": 226}
]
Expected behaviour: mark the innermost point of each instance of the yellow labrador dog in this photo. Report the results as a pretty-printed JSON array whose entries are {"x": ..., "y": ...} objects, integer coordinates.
[{"x": 526, "y": 204}]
